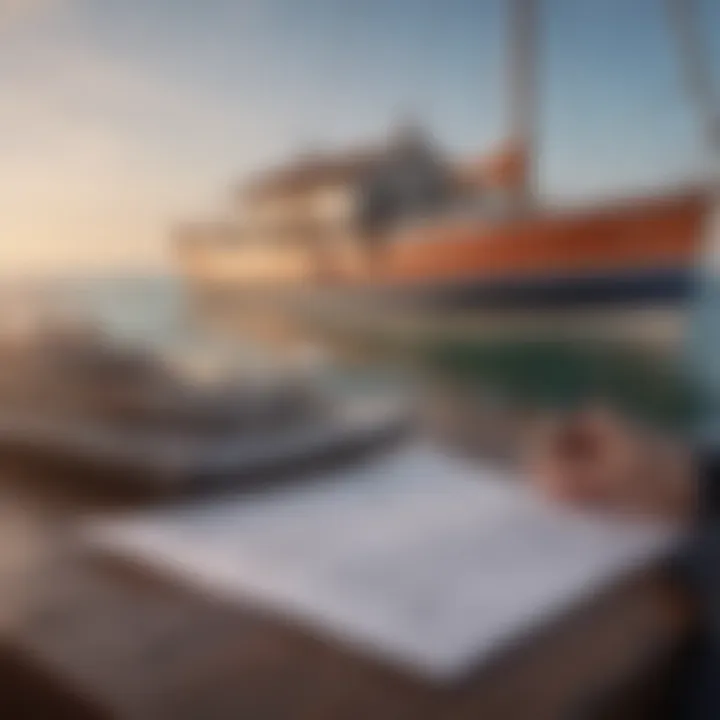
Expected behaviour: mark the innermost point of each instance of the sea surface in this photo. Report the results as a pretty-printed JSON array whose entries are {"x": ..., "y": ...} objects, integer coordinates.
[
  {"x": 148, "y": 309},
  {"x": 155, "y": 311}
]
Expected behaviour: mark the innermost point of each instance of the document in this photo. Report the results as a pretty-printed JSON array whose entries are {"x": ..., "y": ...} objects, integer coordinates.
[{"x": 417, "y": 557}]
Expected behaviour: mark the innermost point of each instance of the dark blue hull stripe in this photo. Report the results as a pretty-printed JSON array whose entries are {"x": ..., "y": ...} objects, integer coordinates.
[
  {"x": 670, "y": 287},
  {"x": 666, "y": 286}
]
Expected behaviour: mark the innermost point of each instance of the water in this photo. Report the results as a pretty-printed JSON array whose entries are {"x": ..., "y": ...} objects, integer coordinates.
[
  {"x": 156, "y": 313},
  {"x": 148, "y": 310}
]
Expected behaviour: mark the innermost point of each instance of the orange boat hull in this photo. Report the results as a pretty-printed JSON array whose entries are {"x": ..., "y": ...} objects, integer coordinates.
[{"x": 637, "y": 236}]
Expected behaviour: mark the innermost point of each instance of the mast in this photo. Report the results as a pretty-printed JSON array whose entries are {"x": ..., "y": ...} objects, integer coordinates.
[{"x": 523, "y": 94}]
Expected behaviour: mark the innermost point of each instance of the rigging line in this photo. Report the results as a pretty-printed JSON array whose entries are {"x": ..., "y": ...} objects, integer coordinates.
[{"x": 696, "y": 68}]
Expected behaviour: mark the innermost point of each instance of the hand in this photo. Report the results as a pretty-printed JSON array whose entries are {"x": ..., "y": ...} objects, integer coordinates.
[{"x": 597, "y": 459}]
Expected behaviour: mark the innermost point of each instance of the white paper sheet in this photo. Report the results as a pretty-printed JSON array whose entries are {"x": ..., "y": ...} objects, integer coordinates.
[{"x": 418, "y": 557}]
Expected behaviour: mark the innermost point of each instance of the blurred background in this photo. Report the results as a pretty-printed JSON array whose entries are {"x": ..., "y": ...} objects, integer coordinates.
[{"x": 484, "y": 169}]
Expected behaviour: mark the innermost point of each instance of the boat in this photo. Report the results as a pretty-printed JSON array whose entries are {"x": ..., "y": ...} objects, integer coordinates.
[
  {"x": 402, "y": 224},
  {"x": 142, "y": 423}
]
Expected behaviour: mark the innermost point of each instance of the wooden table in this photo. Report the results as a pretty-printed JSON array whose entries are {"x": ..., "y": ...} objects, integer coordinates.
[{"x": 83, "y": 637}]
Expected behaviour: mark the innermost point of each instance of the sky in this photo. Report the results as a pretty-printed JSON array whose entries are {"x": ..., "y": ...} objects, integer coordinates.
[{"x": 120, "y": 117}]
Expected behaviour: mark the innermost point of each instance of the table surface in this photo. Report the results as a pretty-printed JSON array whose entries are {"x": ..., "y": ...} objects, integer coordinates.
[{"x": 91, "y": 638}]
